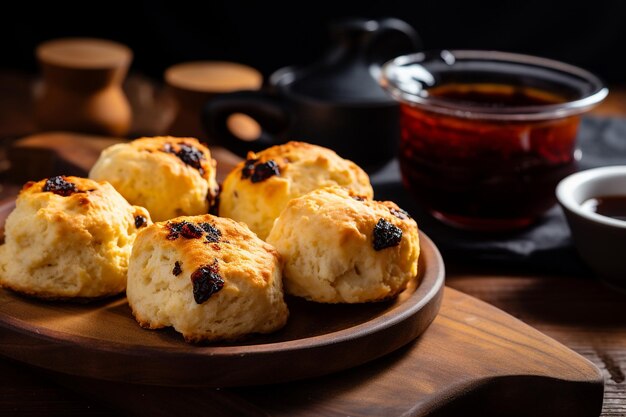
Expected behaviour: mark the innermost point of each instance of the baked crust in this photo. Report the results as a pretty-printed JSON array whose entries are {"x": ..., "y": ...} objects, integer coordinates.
[{"x": 301, "y": 167}]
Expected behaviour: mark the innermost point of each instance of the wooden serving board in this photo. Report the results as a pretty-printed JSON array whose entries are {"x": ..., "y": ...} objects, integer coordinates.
[
  {"x": 473, "y": 360},
  {"x": 64, "y": 153}
]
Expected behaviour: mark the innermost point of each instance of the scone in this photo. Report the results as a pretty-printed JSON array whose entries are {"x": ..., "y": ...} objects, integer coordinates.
[
  {"x": 341, "y": 248},
  {"x": 257, "y": 190},
  {"x": 69, "y": 237},
  {"x": 208, "y": 277},
  {"x": 169, "y": 176}
]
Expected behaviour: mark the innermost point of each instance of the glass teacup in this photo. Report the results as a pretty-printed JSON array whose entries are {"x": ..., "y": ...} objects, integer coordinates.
[{"x": 486, "y": 136}]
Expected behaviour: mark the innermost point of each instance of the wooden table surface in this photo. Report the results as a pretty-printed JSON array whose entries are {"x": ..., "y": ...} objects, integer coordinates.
[{"x": 579, "y": 312}]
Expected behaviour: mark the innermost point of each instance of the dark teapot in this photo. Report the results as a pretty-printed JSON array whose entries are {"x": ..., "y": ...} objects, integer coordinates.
[{"x": 336, "y": 102}]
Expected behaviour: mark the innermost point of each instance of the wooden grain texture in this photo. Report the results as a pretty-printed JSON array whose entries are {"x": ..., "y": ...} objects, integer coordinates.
[
  {"x": 473, "y": 360},
  {"x": 334, "y": 395},
  {"x": 27, "y": 392},
  {"x": 66, "y": 153},
  {"x": 473, "y": 357},
  {"x": 54, "y": 153},
  {"x": 581, "y": 313}
]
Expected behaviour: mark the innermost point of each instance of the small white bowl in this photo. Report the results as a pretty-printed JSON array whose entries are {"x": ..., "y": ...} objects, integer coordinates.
[{"x": 600, "y": 240}]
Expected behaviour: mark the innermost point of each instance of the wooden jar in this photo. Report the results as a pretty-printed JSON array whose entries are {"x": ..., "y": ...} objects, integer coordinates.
[
  {"x": 192, "y": 84},
  {"x": 82, "y": 86}
]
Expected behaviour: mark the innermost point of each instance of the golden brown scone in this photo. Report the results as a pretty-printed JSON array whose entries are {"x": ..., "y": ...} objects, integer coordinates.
[
  {"x": 208, "y": 277},
  {"x": 169, "y": 176},
  {"x": 257, "y": 190},
  {"x": 340, "y": 248},
  {"x": 69, "y": 237}
]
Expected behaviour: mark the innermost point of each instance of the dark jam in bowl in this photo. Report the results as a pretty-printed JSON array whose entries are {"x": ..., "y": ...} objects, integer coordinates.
[
  {"x": 609, "y": 205},
  {"x": 486, "y": 174}
]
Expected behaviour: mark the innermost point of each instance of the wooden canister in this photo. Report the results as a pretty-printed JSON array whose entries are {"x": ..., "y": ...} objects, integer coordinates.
[
  {"x": 192, "y": 84},
  {"x": 82, "y": 86}
]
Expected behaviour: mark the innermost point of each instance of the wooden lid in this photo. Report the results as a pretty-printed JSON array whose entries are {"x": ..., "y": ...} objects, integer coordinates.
[
  {"x": 213, "y": 76},
  {"x": 87, "y": 53}
]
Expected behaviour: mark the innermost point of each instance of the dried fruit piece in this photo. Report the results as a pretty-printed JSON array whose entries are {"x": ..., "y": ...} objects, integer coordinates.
[
  {"x": 213, "y": 198},
  {"x": 386, "y": 235},
  {"x": 174, "y": 230},
  {"x": 264, "y": 171},
  {"x": 399, "y": 213},
  {"x": 193, "y": 231},
  {"x": 213, "y": 234},
  {"x": 177, "y": 269},
  {"x": 190, "y": 155},
  {"x": 184, "y": 229},
  {"x": 258, "y": 172},
  {"x": 140, "y": 221},
  {"x": 60, "y": 186},
  {"x": 190, "y": 231},
  {"x": 206, "y": 281},
  {"x": 248, "y": 168}
]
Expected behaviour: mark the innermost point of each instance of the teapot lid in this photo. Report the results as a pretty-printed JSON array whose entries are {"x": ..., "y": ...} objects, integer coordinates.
[{"x": 349, "y": 71}]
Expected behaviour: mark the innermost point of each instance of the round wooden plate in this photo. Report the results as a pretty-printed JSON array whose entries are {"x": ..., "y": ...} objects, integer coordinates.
[{"x": 102, "y": 340}]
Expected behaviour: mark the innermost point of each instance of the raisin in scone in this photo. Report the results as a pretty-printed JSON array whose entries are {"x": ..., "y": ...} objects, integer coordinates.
[
  {"x": 69, "y": 237},
  {"x": 258, "y": 189},
  {"x": 169, "y": 176},
  {"x": 210, "y": 278},
  {"x": 341, "y": 248}
]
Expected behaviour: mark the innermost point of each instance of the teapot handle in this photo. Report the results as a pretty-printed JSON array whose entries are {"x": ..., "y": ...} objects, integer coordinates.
[
  {"x": 265, "y": 108},
  {"x": 391, "y": 25},
  {"x": 378, "y": 40}
]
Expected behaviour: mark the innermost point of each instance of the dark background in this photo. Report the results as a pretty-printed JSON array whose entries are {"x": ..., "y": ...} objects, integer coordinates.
[{"x": 269, "y": 36}]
